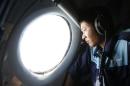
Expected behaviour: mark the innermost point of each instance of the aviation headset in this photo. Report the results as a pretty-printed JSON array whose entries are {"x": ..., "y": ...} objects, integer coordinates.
[
  {"x": 100, "y": 18},
  {"x": 99, "y": 24}
]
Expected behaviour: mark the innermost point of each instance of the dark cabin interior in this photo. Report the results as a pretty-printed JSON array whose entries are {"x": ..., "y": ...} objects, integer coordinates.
[{"x": 11, "y": 11}]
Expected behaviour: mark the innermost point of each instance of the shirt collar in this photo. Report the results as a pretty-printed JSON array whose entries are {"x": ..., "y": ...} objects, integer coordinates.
[{"x": 97, "y": 50}]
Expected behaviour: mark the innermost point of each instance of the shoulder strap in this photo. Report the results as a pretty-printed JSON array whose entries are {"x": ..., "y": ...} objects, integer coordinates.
[{"x": 123, "y": 35}]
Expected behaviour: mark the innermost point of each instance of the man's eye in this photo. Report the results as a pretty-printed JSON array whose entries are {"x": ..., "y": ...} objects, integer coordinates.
[{"x": 83, "y": 29}]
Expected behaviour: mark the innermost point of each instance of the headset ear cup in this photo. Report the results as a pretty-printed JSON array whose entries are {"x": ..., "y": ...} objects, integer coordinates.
[{"x": 99, "y": 25}]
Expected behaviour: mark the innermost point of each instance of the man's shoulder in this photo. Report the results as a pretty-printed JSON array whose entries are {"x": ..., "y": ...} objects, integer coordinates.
[
  {"x": 83, "y": 48},
  {"x": 83, "y": 54},
  {"x": 117, "y": 42},
  {"x": 124, "y": 35}
]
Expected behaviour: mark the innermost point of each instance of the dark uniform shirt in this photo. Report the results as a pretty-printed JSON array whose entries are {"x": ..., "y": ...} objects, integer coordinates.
[{"x": 116, "y": 72}]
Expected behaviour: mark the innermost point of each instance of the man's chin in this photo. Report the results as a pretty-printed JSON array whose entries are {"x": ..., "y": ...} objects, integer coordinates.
[{"x": 91, "y": 45}]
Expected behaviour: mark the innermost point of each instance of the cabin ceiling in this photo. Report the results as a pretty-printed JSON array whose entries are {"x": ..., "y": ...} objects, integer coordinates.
[{"x": 120, "y": 9}]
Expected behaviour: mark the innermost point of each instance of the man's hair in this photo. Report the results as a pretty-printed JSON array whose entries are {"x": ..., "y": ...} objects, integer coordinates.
[{"x": 99, "y": 15}]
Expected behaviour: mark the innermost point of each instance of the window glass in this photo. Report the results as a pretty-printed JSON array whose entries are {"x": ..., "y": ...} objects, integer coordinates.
[{"x": 44, "y": 42}]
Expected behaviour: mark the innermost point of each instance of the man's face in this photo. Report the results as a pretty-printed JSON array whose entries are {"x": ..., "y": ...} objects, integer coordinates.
[{"x": 89, "y": 34}]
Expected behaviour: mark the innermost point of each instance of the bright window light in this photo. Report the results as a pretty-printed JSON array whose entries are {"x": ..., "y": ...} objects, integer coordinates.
[{"x": 44, "y": 43}]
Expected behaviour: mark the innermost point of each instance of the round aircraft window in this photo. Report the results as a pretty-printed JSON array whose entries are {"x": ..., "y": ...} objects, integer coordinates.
[{"x": 43, "y": 43}]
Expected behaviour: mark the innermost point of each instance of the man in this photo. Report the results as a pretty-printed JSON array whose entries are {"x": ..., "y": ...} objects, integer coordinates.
[{"x": 106, "y": 61}]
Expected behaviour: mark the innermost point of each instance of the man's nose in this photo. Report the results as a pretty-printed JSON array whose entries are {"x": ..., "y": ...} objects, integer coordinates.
[{"x": 83, "y": 36}]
